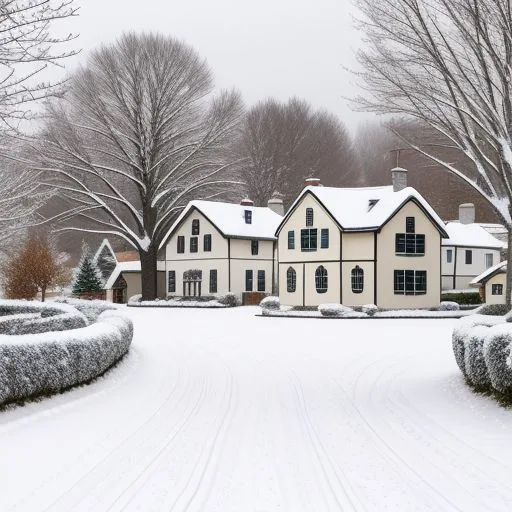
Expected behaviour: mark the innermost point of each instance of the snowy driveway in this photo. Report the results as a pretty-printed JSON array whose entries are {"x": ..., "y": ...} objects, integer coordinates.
[{"x": 222, "y": 411}]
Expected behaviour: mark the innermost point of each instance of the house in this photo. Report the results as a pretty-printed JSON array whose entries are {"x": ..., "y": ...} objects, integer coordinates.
[
  {"x": 356, "y": 246},
  {"x": 469, "y": 250},
  {"x": 121, "y": 273},
  {"x": 492, "y": 284},
  {"x": 216, "y": 248}
]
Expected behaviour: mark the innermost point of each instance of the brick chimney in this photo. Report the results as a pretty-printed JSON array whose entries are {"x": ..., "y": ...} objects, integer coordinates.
[
  {"x": 399, "y": 178},
  {"x": 312, "y": 182},
  {"x": 275, "y": 203},
  {"x": 246, "y": 202},
  {"x": 467, "y": 213}
]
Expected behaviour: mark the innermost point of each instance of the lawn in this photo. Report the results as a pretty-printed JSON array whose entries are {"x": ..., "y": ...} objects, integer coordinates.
[{"x": 219, "y": 410}]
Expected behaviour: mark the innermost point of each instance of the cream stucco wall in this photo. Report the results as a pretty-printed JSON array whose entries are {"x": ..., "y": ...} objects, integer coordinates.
[
  {"x": 133, "y": 282},
  {"x": 388, "y": 261},
  {"x": 358, "y": 299},
  {"x": 497, "y": 279}
]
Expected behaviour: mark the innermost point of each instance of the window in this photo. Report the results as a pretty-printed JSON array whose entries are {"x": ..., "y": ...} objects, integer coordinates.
[
  {"x": 193, "y": 244},
  {"x": 469, "y": 257},
  {"x": 248, "y": 280},
  {"x": 181, "y": 245},
  {"x": 171, "y": 281},
  {"x": 207, "y": 243},
  {"x": 357, "y": 279},
  {"x": 195, "y": 227},
  {"x": 261, "y": 280},
  {"x": 291, "y": 239},
  {"x": 254, "y": 247},
  {"x": 324, "y": 239},
  {"x": 410, "y": 225},
  {"x": 488, "y": 260},
  {"x": 291, "y": 280},
  {"x": 497, "y": 289},
  {"x": 308, "y": 239},
  {"x": 309, "y": 216},
  {"x": 449, "y": 255},
  {"x": 248, "y": 216},
  {"x": 410, "y": 282},
  {"x": 321, "y": 279},
  {"x": 213, "y": 281},
  {"x": 409, "y": 243}
]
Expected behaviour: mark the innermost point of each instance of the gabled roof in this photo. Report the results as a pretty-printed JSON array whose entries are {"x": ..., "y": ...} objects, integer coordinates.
[
  {"x": 104, "y": 243},
  {"x": 499, "y": 268},
  {"x": 471, "y": 235},
  {"x": 128, "y": 266},
  {"x": 229, "y": 219},
  {"x": 365, "y": 208}
]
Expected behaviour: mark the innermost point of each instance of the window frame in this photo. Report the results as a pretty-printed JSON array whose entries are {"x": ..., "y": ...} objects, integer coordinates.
[
  {"x": 207, "y": 243},
  {"x": 180, "y": 244},
  {"x": 255, "y": 247},
  {"x": 310, "y": 217},
  {"x": 410, "y": 225},
  {"x": 171, "y": 278},
  {"x": 321, "y": 279},
  {"x": 410, "y": 282},
  {"x": 291, "y": 280},
  {"x": 249, "y": 279},
  {"x": 195, "y": 227},
  {"x": 410, "y": 244},
  {"x": 468, "y": 257},
  {"x": 311, "y": 234},
  {"x": 194, "y": 244},
  {"x": 486, "y": 256},
  {"x": 497, "y": 289},
  {"x": 248, "y": 216},
  {"x": 213, "y": 286},
  {"x": 449, "y": 255},
  {"x": 357, "y": 279},
  {"x": 260, "y": 281},
  {"x": 324, "y": 238},
  {"x": 291, "y": 240}
]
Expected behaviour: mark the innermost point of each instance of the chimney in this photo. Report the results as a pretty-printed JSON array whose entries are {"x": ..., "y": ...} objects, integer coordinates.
[
  {"x": 246, "y": 202},
  {"x": 467, "y": 213},
  {"x": 275, "y": 203},
  {"x": 312, "y": 182},
  {"x": 399, "y": 178}
]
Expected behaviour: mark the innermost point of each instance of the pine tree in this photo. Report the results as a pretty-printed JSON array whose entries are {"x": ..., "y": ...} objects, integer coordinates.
[{"x": 87, "y": 278}]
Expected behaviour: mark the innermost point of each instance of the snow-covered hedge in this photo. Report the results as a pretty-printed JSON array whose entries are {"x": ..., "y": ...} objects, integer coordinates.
[
  {"x": 271, "y": 303},
  {"x": 185, "y": 302},
  {"x": 333, "y": 310},
  {"x": 39, "y": 364},
  {"x": 92, "y": 309},
  {"x": 448, "y": 305},
  {"x": 370, "y": 309}
]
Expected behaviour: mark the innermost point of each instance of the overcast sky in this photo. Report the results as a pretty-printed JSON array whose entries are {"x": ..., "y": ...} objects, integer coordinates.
[{"x": 279, "y": 48}]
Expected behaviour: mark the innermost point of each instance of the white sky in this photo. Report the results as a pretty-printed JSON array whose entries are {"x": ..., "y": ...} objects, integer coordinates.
[{"x": 279, "y": 48}]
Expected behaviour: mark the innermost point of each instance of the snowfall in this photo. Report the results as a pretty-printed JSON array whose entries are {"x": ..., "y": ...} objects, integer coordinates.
[{"x": 221, "y": 410}]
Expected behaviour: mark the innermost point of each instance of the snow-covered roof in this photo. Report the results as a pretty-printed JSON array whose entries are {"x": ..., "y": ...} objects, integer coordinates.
[
  {"x": 104, "y": 243},
  {"x": 486, "y": 274},
  {"x": 470, "y": 235},
  {"x": 128, "y": 266},
  {"x": 366, "y": 208},
  {"x": 229, "y": 219}
]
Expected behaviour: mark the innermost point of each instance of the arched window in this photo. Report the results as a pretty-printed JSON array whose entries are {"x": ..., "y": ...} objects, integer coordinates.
[
  {"x": 291, "y": 280},
  {"x": 357, "y": 279},
  {"x": 321, "y": 279},
  {"x": 309, "y": 216}
]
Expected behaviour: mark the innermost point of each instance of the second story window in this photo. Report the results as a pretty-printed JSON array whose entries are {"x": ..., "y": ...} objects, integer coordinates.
[
  {"x": 195, "y": 227},
  {"x": 308, "y": 239},
  {"x": 181, "y": 245},
  {"x": 449, "y": 255},
  {"x": 309, "y": 216},
  {"x": 469, "y": 257},
  {"x": 324, "y": 239},
  {"x": 207, "y": 243},
  {"x": 488, "y": 260},
  {"x": 254, "y": 247},
  {"x": 193, "y": 244},
  {"x": 410, "y": 244},
  {"x": 410, "y": 225},
  {"x": 291, "y": 239},
  {"x": 248, "y": 216}
]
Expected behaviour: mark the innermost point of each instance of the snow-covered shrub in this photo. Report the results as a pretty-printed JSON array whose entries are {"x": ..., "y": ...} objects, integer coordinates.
[
  {"x": 135, "y": 299},
  {"x": 271, "y": 303},
  {"x": 497, "y": 355},
  {"x": 448, "y": 305},
  {"x": 477, "y": 372},
  {"x": 459, "y": 337},
  {"x": 32, "y": 365},
  {"x": 333, "y": 310},
  {"x": 229, "y": 299},
  {"x": 92, "y": 309},
  {"x": 370, "y": 309},
  {"x": 492, "y": 309}
]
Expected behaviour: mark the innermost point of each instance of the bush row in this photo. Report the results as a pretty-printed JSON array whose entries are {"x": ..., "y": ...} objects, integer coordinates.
[{"x": 462, "y": 297}]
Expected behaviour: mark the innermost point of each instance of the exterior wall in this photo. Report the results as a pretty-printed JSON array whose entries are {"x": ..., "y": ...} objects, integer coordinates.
[
  {"x": 464, "y": 273},
  {"x": 358, "y": 299},
  {"x": 133, "y": 282},
  {"x": 231, "y": 258},
  {"x": 388, "y": 261},
  {"x": 497, "y": 279}
]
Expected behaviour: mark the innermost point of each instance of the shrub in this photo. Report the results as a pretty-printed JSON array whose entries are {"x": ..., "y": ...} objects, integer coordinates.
[
  {"x": 92, "y": 309},
  {"x": 496, "y": 348},
  {"x": 476, "y": 370},
  {"x": 462, "y": 297},
  {"x": 271, "y": 303},
  {"x": 492, "y": 309},
  {"x": 334, "y": 310},
  {"x": 230, "y": 300},
  {"x": 370, "y": 309},
  {"x": 459, "y": 336},
  {"x": 448, "y": 305},
  {"x": 135, "y": 299}
]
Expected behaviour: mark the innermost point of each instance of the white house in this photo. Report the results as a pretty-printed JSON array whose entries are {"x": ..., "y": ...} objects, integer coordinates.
[
  {"x": 492, "y": 284},
  {"x": 215, "y": 248},
  {"x": 357, "y": 246},
  {"x": 469, "y": 250}
]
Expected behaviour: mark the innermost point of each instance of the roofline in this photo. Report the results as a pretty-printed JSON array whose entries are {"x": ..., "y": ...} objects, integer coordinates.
[
  {"x": 496, "y": 248},
  {"x": 104, "y": 243},
  {"x": 500, "y": 270}
]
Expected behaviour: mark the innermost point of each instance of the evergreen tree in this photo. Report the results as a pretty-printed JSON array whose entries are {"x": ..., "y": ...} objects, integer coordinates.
[{"x": 87, "y": 278}]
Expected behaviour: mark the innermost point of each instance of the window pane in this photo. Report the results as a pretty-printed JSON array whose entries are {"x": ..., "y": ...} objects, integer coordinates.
[
  {"x": 254, "y": 247},
  {"x": 321, "y": 279},
  {"x": 248, "y": 280},
  {"x": 248, "y": 216},
  {"x": 181, "y": 244},
  {"x": 171, "y": 287},
  {"x": 420, "y": 244},
  {"x": 291, "y": 239},
  {"x": 357, "y": 279},
  {"x": 449, "y": 255},
  {"x": 400, "y": 243},
  {"x": 193, "y": 244},
  {"x": 399, "y": 279},
  {"x": 195, "y": 227},
  {"x": 421, "y": 282},
  {"x": 291, "y": 280},
  {"x": 308, "y": 239},
  {"x": 213, "y": 281},
  {"x": 309, "y": 216},
  {"x": 261, "y": 280},
  {"x": 409, "y": 282},
  {"x": 324, "y": 239},
  {"x": 469, "y": 257},
  {"x": 410, "y": 225},
  {"x": 207, "y": 243},
  {"x": 488, "y": 260}
]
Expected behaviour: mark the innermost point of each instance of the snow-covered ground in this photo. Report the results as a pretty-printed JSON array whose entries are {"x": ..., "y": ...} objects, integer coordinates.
[{"x": 219, "y": 410}]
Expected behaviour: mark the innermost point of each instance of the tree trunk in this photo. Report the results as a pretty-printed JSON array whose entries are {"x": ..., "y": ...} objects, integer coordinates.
[
  {"x": 148, "y": 273},
  {"x": 43, "y": 291},
  {"x": 508, "y": 286}
]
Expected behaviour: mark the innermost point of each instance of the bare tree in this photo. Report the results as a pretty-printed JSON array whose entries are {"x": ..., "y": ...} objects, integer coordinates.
[
  {"x": 138, "y": 137},
  {"x": 282, "y": 144},
  {"x": 448, "y": 63},
  {"x": 27, "y": 47}
]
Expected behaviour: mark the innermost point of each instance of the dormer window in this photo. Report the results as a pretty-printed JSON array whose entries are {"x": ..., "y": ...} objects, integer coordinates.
[
  {"x": 372, "y": 203},
  {"x": 248, "y": 216},
  {"x": 309, "y": 216},
  {"x": 195, "y": 227}
]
